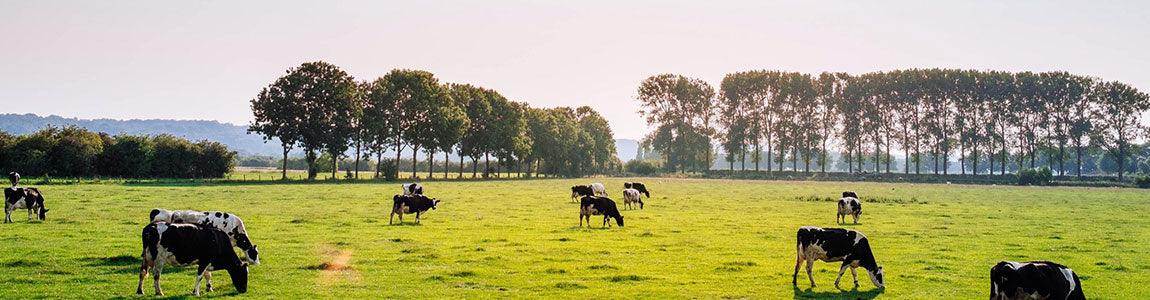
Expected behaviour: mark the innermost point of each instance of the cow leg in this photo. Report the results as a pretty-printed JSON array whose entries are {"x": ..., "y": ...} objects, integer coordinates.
[
  {"x": 208, "y": 278},
  {"x": 7, "y": 215},
  {"x": 417, "y": 214},
  {"x": 842, "y": 270},
  {"x": 159, "y": 266},
  {"x": 855, "y": 275},
  {"x": 810, "y": 265},
  {"x": 856, "y": 219},
  {"x": 392, "y": 219},
  {"x": 143, "y": 273},
  {"x": 795, "y": 276},
  {"x": 199, "y": 276}
]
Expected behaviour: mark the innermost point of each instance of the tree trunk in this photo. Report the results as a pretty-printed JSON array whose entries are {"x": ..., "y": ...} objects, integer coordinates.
[
  {"x": 460, "y": 164},
  {"x": 431, "y": 163},
  {"x": 474, "y": 167},
  {"x": 358, "y": 144},
  {"x": 398, "y": 152},
  {"x": 284, "y": 173},
  {"x": 378, "y": 163},
  {"x": 446, "y": 164},
  {"x": 486, "y": 164},
  {"x": 311, "y": 169},
  {"x": 1078, "y": 160},
  {"x": 334, "y": 165},
  {"x": 414, "y": 161}
]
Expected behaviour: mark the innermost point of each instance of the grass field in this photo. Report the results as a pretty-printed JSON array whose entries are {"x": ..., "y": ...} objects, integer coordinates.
[{"x": 521, "y": 239}]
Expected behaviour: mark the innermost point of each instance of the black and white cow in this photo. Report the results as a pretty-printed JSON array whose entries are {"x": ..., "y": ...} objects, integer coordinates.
[
  {"x": 836, "y": 244},
  {"x": 24, "y": 198},
  {"x": 406, "y": 204},
  {"x": 630, "y": 197},
  {"x": 580, "y": 191},
  {"x": 638, "y": 186},
  {"x": 592, "y": 205},
  {"x": 228, "y": 223},
  {"x": 599, "y": 189},
  {"x": 848, "y": 206},
  {"x": 183, "y": 244},
  {"x": 412, "y": 189},
  {"x": 1034, "y": 280}
]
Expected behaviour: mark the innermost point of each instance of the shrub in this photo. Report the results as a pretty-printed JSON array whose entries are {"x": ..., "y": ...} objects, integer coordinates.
[
  {"x": 1041, "y": 176},
  {"x": 1142, "y": 181},
  {"x": 642, "y": 167}
]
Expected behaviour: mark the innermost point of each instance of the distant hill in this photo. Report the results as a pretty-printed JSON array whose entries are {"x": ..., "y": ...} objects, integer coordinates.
[{"x": 235, "y": 136}]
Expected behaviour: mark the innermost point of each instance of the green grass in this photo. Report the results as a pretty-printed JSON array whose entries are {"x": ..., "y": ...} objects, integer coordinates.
[{"x": 521, "y": 239}]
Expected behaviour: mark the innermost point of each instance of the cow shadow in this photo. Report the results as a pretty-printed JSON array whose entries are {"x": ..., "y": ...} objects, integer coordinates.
[
  {"x": 173, "y": 294},
  {"x": 119, "y": 264},
  {"x": 843, "y": 294}
]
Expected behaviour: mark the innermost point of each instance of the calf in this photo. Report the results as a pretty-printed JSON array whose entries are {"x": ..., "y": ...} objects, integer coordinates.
[
  {"x": 849, "y": 206},
  {"x": 599, "y": 189},
  {"x": 631, "y": 196},
  {"x": 638, "y": 186},
  {"x": 24, "y": 198},
  {"x": 412, "y": 189},
  {"x": 406, "y": 204},
  {"x": 591, "y": 205},
  {"x": 228, "y": 223},
  {"x": 1034, "y": 280},
  {"x": 580, "y": 191},
  {"x": 183, "y": 244},
  {"x": 836, "y": 244}
]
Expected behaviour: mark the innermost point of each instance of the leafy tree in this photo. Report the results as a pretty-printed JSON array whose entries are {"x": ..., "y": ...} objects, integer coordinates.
[
  {"x": 127, "y": 156},
  {"x": 276, "y": 110},
  {"x": 1118, "y": 113},
  {"x": 681, "y": 108}
]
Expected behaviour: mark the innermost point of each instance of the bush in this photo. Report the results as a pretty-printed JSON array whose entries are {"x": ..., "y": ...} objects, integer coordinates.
[
  {"x": 642, "y": 167},
  {"x": 1041, "y": 176},
  {"x": 1142, "y": 181},
  {"x": 389, "y": 171}
]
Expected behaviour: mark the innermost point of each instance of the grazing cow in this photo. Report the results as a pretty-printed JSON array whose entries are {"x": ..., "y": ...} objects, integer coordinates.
[
  {"x": 580, "y": 191},
  {"x": 183, "y": 244},
  {"x": 836, "y": 244},
  {"x": 631, "y": 196},
  {"x": 406, "y": 204},
  {"x": 24, "y": 198},
  {"x": 599, "y": 189},
  {"x": 412, "y": 189},
  {"x": 849, "y": 206},
  {"x": 591, "y": 205},
  {"x": 638, "y": 186},
  {"x": 228, "y": 223},
  {"x": 1034, "y": 280}
]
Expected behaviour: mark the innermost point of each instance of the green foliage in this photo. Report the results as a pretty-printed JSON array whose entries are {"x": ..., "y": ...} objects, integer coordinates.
[
  {"x": 1142, "y": 181},
  {"x": 1040, "y": 176},
  {"x": 77, "y": 152},
  {"x": 642, "y": 167}
]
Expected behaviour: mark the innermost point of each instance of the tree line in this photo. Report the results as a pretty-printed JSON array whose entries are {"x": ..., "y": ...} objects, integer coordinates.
[
  {"x": 77, "y": 152},
  {"x": 982, "y": 121},
  {"x": 320, "y": 109}
]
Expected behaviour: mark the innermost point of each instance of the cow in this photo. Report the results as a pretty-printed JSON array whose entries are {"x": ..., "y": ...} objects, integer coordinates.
[
  {"x": 835, "y": 244},
  {"x": 599, "y": 189},
  {"x": 228, "y": 223},
  {"x": 406, "y": 204},
  {"x": 24, "y": 198},
  {"x": 638, "y": 186},
  {"x": 412, "y": 189},
  {"x": 592, "y": 205},
  {"x": 578, "y": 191},
  {"x": 631, "y": 196},
  {"x": 848, "y": 206},
  {"x": 1034, "y": 280},
  {"x": 184, "y": 244}
]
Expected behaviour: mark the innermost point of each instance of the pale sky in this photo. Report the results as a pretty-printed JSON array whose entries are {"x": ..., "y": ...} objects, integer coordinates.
[{"x": 206, "y": 59}]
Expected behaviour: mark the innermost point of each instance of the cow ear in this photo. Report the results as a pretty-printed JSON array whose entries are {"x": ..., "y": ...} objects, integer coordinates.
[{"x": 395, "y": 198}]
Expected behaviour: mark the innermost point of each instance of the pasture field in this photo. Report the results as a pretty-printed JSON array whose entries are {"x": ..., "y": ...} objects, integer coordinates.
[{"x": 521, "y": 239}]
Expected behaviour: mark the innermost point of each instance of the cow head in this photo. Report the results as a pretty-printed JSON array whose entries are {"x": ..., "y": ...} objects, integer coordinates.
[
  {"x": 250, "y": 250},
  {"x": 626, "y": 185},
  {"x": 43, "y": 213},
  {"x": 158, "y": 214},
  {"x": 434, "y": 203},
  {"x": 876, "y": 277},
  {"x": 239, "y": 276},
  {"x": 619, "y": 220},
  {"x": 850, "y": 194},
  {"x": 14, "y": 178}
]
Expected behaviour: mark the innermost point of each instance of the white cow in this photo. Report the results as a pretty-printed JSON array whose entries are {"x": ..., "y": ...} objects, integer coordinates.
[
  {"x": 599, "y": 189},
  {"x": 228, "y": 223},
  {"x": 412, "y": 189},
  {"x": 631, "y": 196}
]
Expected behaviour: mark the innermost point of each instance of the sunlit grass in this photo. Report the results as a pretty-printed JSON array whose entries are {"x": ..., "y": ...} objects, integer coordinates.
[{"x": 498, "y": 239}]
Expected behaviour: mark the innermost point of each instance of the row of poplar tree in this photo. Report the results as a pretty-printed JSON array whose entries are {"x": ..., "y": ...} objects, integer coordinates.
[
  {"x": 931, "y": 116},
  {"x": 318, "y": 108}
]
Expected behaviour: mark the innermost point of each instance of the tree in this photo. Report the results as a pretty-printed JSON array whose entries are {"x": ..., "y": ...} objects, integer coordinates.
[
  {"x": 681, "y": 108},
  {"x": 476, "y": 103},
  {"x": 413, "y": 95},
  {"x": 127, "y": 156},
  {"x": 448, "y": 125},
  {"x": 1118, "y": 111},
  {"x": 313, "y": 105}
]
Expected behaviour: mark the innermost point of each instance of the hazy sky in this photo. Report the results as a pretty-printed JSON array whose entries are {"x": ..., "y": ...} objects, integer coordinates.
[{"x": 207, "y": 59}]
